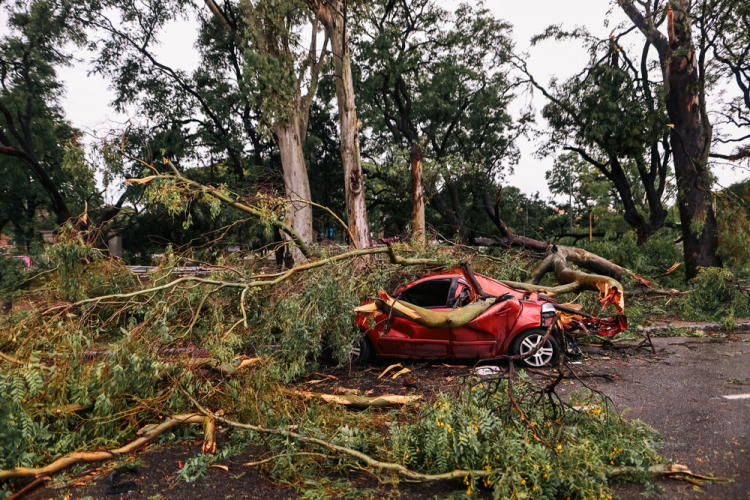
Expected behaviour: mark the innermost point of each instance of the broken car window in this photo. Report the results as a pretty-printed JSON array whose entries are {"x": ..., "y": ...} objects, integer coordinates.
[{"x": 433, "y": 293}]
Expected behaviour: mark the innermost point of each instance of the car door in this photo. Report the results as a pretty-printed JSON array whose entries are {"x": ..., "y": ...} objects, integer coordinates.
[
  {"x": 471, "y": 341},
  {"x": 405, "y": 338}
]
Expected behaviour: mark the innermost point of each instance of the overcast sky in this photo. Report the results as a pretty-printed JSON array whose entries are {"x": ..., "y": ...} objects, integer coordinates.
[{"x": 87, "y": 99}]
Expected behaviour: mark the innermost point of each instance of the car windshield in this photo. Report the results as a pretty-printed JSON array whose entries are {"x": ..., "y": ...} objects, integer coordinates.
[{"x": 433, "y": 293}]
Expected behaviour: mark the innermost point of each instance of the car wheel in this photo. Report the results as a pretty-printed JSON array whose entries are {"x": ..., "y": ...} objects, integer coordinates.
[
  {"x": 361, "y": 350},
  {"x": 547, "y": 355}
]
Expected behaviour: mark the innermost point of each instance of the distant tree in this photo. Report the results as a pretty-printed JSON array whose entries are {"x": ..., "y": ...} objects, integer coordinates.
[
  {"x": 613, "y": 116},
  {"x": 255, "y": 83},
  {"x": 434, "y": 84},
  {"x": 333, "y": 14},
  {"x": 724, "y": 27}
]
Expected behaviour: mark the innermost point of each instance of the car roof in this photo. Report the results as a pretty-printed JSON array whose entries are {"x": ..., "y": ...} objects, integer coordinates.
[{"x": 489, "y": 285}]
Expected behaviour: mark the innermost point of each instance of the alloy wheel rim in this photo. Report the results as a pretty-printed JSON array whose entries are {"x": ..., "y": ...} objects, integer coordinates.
[{"x": 540, "y": 357}]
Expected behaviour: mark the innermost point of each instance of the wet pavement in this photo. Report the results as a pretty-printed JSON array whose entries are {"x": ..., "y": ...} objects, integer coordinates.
[{"x": 680, "y": 392}]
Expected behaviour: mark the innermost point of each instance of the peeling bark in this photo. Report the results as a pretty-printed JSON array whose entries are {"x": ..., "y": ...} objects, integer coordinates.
[
  {"x": 417, "y": 194},
  {"x": 299, "y": 215},
  {"x": 333, "y": 16}
]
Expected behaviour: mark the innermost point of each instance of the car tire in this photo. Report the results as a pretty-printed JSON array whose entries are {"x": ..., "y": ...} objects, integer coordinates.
[
  {"x": 361, "y": 351},
  {"x": 547, "y": 355}
]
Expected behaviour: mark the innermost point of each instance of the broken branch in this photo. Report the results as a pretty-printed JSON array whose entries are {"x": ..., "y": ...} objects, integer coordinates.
[
  {"x": 358, "y": 401},
  {"x": 95, "y": 456}
]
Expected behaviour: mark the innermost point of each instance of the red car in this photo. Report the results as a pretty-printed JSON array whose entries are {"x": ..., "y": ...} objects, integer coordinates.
[{"x": 514, "y": 324}]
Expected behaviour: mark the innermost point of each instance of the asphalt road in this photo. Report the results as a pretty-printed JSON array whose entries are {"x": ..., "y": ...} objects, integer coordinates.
[{"x": 680, "y": 392}]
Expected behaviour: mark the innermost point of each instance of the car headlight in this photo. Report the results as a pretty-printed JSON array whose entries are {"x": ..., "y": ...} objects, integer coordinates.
[{"x": 548, "y": 308}]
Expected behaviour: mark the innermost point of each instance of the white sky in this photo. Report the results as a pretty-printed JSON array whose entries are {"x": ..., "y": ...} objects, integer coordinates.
[{"x": 87, "y": 98}]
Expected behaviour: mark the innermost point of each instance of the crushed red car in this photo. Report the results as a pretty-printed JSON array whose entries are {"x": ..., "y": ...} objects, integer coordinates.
[{"x": 514, "y": 324}]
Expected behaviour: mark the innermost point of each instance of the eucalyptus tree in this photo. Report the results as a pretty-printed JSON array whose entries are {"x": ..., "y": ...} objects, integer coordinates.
[
  {"x": 613, "y": 116},
  {"x": 668, "y": 27},
  {"x": 434, "y": 83},
  {"x": 333, "y": 15},
  {"x": 250, "y": 95}
]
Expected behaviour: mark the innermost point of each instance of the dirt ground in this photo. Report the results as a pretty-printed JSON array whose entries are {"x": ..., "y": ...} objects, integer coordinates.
[{"x": 678, "y": 390}]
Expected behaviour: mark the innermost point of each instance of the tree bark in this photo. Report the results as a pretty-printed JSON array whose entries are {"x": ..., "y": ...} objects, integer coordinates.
[
  {"x": 333, "y": 16},
  {"x": 425, "y": 317},
  {"x": 296, "y": 182},
  {"x": 691, "y": 143},
  {"x": 289, "y": 131},
  {"x": 691, "y": 129},
  {"x": 417, "y": 194}
]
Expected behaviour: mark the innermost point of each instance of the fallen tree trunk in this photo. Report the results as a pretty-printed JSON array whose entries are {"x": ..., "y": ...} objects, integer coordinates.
[{"x": 556, "y": 259}]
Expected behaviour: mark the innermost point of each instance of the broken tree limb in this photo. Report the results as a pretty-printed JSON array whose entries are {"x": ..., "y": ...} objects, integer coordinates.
[
  {"x": 29, "y": 487},
  {"x": 397, "y": 365},
  {"x": 469, "y": 273},
  {"x": 300, "y": 454},
  {"x": 557, "y": 259},
  {"x": 655, "y": 470},
  {"x": 547, "y": 290},
  {"x": 384, "y": 401},
  {"x": 398, "y": 468},
  {"x": 263, "y": 279},
  {"x": 95, "y": 456},
  {"x": 216, "y": 193},
  {"x": 666, "y": 470},
  {"x": 209, "y": 435}
]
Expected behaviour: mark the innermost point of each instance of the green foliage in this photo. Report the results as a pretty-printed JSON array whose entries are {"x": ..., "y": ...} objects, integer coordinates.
[
  {"x": 470, "y": 433},
  {"x": 615, "y": 120},
  {"x": 35, "y": 38},
  {"x": 197, "y": 466},
  {"x": 714, "y": 297},
  {"x": 11, "y": 275},
  {"x": 733, "y": 227},
  {"x": 82, "y": 272}
]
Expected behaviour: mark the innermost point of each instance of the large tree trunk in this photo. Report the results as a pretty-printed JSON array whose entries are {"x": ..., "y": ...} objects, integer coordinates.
[
  {"x": 417, "y": 194},
  {"x": 691, "y": 143},
  {"x": 332, "y": 15},
  {"x": 296, "y": 182},
  {"x": 691, "y": 129}
]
